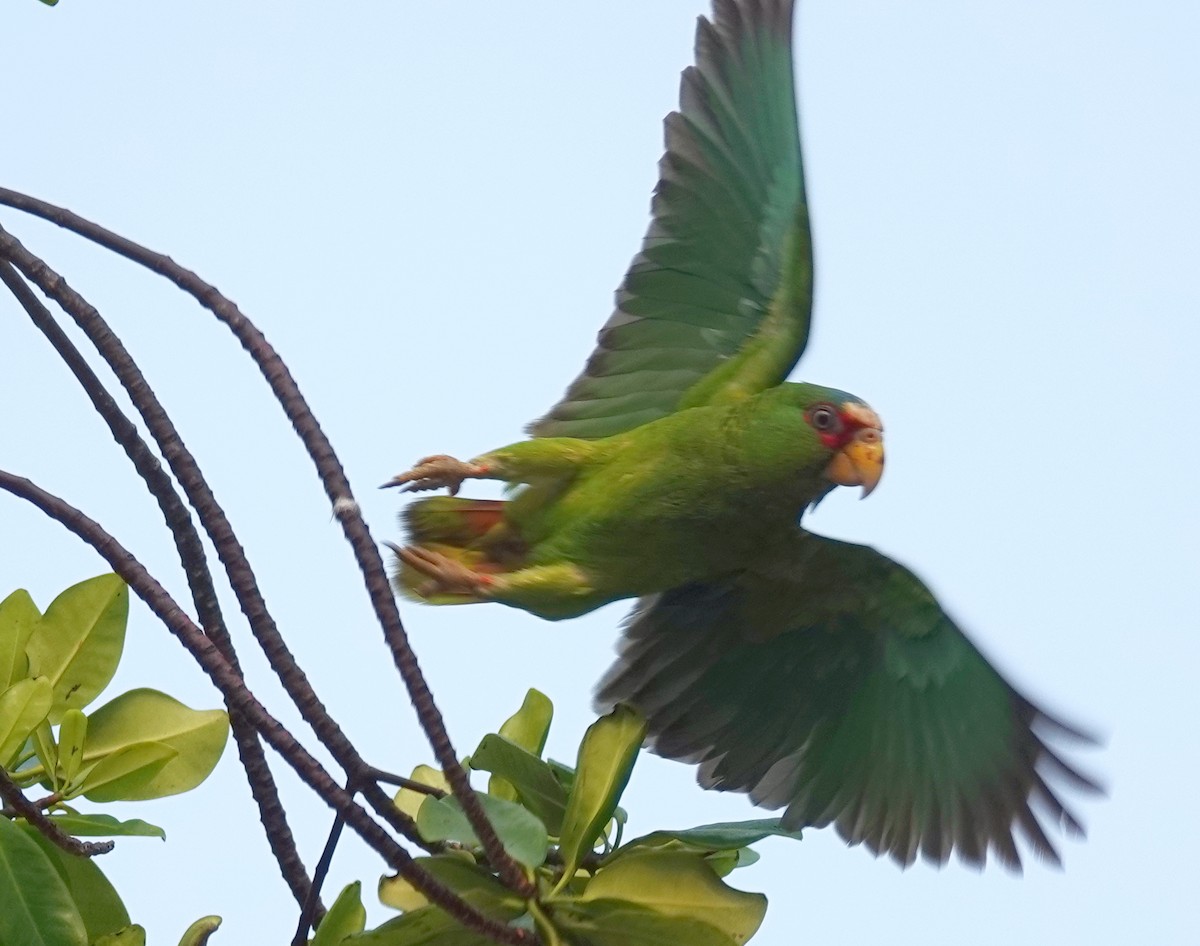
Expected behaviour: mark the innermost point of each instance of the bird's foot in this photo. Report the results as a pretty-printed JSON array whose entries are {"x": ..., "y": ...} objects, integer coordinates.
[
  {"x": 444, "y": 575},
  {"x": 434, "y": 473}
]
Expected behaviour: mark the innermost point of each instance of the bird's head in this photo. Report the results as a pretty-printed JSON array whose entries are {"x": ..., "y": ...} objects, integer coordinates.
[{"x": 854, "y": 432}]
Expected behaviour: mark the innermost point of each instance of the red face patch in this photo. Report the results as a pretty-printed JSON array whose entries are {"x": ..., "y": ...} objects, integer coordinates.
[{"x": 837, "y": 426}]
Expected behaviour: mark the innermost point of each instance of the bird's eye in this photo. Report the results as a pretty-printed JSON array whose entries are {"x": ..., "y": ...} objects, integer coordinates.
[{"x": 824, "y": 418}]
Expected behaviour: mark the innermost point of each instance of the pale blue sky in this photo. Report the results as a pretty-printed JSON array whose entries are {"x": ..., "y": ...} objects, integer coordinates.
[{"x": 426, "y": 207}]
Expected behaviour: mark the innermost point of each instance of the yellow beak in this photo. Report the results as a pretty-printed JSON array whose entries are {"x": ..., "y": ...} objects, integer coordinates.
[{"x": 860, "y": 462}]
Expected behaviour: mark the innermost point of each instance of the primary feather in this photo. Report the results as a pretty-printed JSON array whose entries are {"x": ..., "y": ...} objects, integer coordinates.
[{"x": 725, "y": 268}]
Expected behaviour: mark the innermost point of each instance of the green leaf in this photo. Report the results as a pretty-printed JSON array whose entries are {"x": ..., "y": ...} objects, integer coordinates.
[
  {"x": 95, "y": 898},
  {"x": 50, "y": 3},
  {"x": 78, "y": 642},
  {"x": 678, "y": 884},
  {"x": 345, "y": 918},
  {"x": 428, "y": 926},
  {"x": 526, "y": 728},
  {"x": 724, "y": 863},
  {"x": 72, "y": 732},
  {"x": 564, "y": 773},
  {"x": 529, "y": 726},
  {"x": 134, "y": 935},
  {"x": 619, "y": 923},
  {"x": 606, "y": 757},
  {"x": 409, "y": 801},
  {"x": 18, "y": 617},
  {"x": 466, "y": 878},
  {"x": 46, "y": 750},
  {"x": 106, "y": 826},
  {"x": 522, "y": 834},
  {"x": 23, "y": 706},
  {"x": 125, "y": 774},
  {"x": 709, "y": 838},
  {"x": 198, "y": 933},
  {"x": 530, "y": 779},
  {"x": 37, "y": 907},
  {"x": 140, "y": 716}
]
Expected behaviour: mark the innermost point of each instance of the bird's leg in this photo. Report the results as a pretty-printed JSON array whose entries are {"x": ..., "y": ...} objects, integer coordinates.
[
  {"x": 553, "y": 591},
  {"x": 435, "y": 472},
  {"x": 523, "y": 462}
]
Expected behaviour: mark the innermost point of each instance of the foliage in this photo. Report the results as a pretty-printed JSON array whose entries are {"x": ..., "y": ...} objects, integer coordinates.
[
  {"x": 142, "y": 744},
  {"x": 564, "y": 825}
]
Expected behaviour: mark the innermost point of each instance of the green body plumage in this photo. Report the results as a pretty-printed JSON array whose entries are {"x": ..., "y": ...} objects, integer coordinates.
[
  {"x": 817, "y": 676},
  {"x": 692, "y": 495}
]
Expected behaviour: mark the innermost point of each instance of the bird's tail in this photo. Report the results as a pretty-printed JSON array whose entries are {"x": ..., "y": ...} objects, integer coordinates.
[
  {"x": 470, "y": 531},
  {"x": 448, "y": 520}
]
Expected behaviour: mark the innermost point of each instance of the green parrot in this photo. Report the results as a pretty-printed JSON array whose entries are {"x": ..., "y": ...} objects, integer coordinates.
[{"x": 816, "y": 675}]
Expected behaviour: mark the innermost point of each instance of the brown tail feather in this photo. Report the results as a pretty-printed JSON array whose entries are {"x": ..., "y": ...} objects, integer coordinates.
[{"x": 449, "y": 520}]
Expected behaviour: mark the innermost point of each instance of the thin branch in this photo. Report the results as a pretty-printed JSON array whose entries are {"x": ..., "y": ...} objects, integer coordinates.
[
  {"x": 199, "y": 578},
  {"x": 337, "y": 488},
  {"x": 308, "y": 915},
  {"x": 230, "y": 683},
  {"x": 400, "y": 781},
  {"x": 22, "y": 806}
]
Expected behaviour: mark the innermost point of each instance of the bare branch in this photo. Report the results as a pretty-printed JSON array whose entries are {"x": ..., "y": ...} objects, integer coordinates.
[
  {"x": 199, "y": 578},
  {"x": 337, "y": 488},
  {"x": 212, "y": 517}
]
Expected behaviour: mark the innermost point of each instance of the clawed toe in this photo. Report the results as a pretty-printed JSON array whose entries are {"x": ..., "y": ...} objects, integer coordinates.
[
  {"x": 444, "y": 575},
  {"x": 434, "y": 473}
]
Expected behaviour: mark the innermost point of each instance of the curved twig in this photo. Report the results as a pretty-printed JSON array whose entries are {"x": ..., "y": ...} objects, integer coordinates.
[{"x": 12, "y": 794}]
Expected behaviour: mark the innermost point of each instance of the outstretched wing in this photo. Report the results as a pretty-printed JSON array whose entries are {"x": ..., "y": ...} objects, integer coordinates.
[
  {"x": 716, "y": 305},
  {"x": 831, "y": 682}
]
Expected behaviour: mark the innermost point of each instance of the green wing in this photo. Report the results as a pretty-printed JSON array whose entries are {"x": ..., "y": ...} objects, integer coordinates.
[
  {"x": 716, "y": 305},
  {"x": 832, "y": 683}
]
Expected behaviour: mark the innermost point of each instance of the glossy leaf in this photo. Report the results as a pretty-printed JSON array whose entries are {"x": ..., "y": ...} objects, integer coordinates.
[
  {"x": 72, "y": 732},
  {"x": 466, "y": 878},
  {"x": 619, "y": 923},
  {"x": 526, "y": 728},
  {"x": 46, "y": 750},
  {"x": 530, "y": 779},
  {"x": 345, "y": 918},
  {"x": 23, "y": 706},
  {"x": 529, "y": 726},
  {"x": 78, "y": 642},
  {"x": 133, "y": 935},
  {"x": 198, "y": 933},
  {"x": 428, "y": 926},
  {"x": 606, "y": 757},
  {"x": 127, "y": 772},
  {"x": 95, "y": 898},
  {"x": 522, "y": 834},
  {"x": 724, "y": 863},
  {"x": 106, "y": 826},
  {"x": 139, "y": 716},
  {"x": 37, "y": 907},
  {"x": 18, "y": 617},
  {"x": 723, "y": 836},
  {"x": 409, "y": 801},
  {"x": 678, "y": 884}
]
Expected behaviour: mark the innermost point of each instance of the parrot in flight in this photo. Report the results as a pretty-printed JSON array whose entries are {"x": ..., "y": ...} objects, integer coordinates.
[{"x": 816, "y": 675}]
